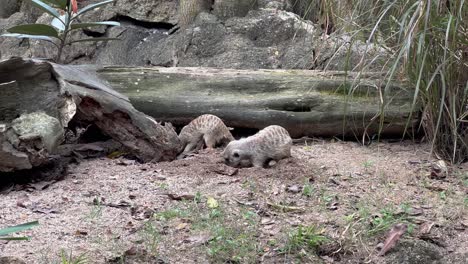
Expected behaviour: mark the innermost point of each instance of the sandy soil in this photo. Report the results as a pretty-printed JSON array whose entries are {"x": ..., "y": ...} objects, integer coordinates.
[{"x": 119, "y": 211}]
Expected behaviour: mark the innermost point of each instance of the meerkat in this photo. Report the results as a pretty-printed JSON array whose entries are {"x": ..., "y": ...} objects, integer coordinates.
[
  {"x": 208, "y": 130},
  {"x": 270, "y": 143}
]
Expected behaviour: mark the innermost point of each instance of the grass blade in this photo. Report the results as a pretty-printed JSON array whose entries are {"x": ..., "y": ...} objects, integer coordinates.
[{"x": 18, "y": 228}]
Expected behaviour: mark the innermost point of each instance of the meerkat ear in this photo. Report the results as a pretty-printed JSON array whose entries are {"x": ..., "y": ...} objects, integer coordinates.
[{"x": 230, "y": 128}]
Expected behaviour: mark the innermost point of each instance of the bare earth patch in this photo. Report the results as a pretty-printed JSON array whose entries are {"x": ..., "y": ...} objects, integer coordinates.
[{"x": 331, "y": 202}]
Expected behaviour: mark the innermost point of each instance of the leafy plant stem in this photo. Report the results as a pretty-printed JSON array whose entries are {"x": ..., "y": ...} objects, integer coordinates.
[{"x": 63, "y": 39}]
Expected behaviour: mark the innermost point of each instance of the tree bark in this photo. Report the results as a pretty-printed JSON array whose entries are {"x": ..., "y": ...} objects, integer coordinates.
[
  {"x": 38, "y": 100},
  {"x": 306, "y": 103}
]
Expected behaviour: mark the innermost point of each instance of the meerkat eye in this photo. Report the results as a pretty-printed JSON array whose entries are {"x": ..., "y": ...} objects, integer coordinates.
[{"x": 235, "y": 155}]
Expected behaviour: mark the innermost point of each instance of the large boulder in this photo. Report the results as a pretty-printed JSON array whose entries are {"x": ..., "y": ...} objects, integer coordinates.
[
  {"x": 268, "y": 36},
  {"x": 11, "y": 46},
  {"x": 265, "y": 38},
  {"x": 9, "y": 7},
  {"x": 158, "y": 11}
]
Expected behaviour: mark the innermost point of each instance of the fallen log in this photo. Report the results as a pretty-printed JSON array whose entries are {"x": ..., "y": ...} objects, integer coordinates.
[
  {"x": 39, "y": 99},
  {"x": 306, "y": 103}
]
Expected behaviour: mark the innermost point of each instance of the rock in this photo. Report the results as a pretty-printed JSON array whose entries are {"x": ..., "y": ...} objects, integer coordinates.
[
  {"x": 265, "y": 37},
  {"x": 28, "y": 141},
  {"x": 135, "y": 46},
  {"x": 225, "y": 9},
  {"x": 294, "y": 188},
  {"x": 39, "y": 126},
  {"x": 9, "y": 7},
  {"x": 147, "y": 10},
  {"x": 275, "y": 4},
  {"x": 31, "y": 12},
  {"x": 262, "y": 39},
  {"x": 11, "y": 46},
  {"x": 159, "y": 11}
]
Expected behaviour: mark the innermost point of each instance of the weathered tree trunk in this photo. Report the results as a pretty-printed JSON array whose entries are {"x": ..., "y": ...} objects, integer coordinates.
[
  {"x": 39, "y": 99},
  {"x": 306, "y": 103}
]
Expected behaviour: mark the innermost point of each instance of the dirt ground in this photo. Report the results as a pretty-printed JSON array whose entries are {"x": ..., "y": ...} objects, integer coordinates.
[{"x": 332, "y": 202}]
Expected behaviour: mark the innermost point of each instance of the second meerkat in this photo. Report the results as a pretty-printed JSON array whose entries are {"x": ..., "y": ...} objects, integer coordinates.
[
  {"x": 206, "y": 130},
  {"x": 270, "y": 143}
]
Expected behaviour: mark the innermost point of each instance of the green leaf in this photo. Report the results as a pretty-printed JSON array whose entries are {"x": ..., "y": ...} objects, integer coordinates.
[
  {"x": 58, "y": 24},
  {"x": 14, "y": 238},
  {"x": 94, "y": 24},
  {"x": 93, "y": 6},
  {"x": 94, "y": 39},
  {"x": 18, "y": 228},
  {"x": 14, "y": 35},
  {"x": 62, "y": 4},
  {"x": 22, "y": 36},
  {"x": 35, "y": 29},
  {"x": 46, "y": 8}
]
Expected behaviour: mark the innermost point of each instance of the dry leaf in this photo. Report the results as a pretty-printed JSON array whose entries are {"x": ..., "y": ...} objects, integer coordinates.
[
  {"x": 181, "y": 226},
  {"x": 121, "y": 204},
  {"x": 426, "y": 228},
  {"x": 394, "y": 235},
  {"x": 225, "y": 170},
  {"x": 81, "y": 233},
  {"x": 181, "y": 197},
  {"x": 212, "y": 203},
  {"x": 267, "y": 221},
  {"x": 439, "y": 170}
]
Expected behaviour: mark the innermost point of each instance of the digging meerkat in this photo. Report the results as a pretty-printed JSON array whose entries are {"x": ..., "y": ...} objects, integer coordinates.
[
  {"x": 270, "y": 143},
  {"x": 206, "y": 130}
]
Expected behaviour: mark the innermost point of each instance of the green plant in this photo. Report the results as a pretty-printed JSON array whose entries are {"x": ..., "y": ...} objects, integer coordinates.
[
  {"x": 304, "y": 238},
  {"x": 435, "y": 59},
  {"x": 387, "y": 218},
  {"x": 198, "y": 197},
  {"x": 426, "y": 41},
  {"x": 69, "y": 259},
  {"x": 171, "y": 214},
  {"x": 325, "y": 196},
  {"x": 250, "y": 185},
  {"x": 367, "y": 164},
  {"x": 307, "y": 189},
  {"x": 151, "y": 236},
  {"x": 443, "y": 195},
  {"x": 163, "y": 186},
  {"x": 96, "y": 211},
  {"x": 232, "y": 245},
  {"x": 66, "y": 19},
  {"x": 18, "y": 228}
]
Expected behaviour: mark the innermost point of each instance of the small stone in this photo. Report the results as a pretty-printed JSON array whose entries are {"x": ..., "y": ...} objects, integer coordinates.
[{"x": 293, "y": 189}]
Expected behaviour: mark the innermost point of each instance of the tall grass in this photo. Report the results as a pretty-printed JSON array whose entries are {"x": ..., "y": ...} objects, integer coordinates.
[{"x": 429, "y": 40}]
